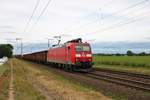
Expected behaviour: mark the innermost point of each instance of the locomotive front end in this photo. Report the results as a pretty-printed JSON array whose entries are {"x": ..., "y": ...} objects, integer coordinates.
[{"x": 83, "y": 56}]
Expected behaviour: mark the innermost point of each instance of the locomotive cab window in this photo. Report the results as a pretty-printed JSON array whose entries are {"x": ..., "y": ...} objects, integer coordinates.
[{"x": 82, "y": 48}]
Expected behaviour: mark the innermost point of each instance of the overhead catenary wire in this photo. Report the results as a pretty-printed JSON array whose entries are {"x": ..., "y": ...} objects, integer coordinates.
[
  {"x": 47, "y": 4},
  {"x": 123, "y": 23},
  {"x": 30, "y": 18},
  {"x": 88, "y": 15},
  {"x": 114, "y": 13}
]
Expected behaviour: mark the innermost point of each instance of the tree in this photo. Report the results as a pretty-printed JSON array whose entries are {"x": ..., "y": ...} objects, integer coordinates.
[
  {"x": 10, "y": 46},
  {"x": 142, "y": 54},
  {"x": 130, "y": 53},
  {"x": 118, "y": 54},
  {"x": 1, "y": 54},
  {"x": 6, "y": 50}
]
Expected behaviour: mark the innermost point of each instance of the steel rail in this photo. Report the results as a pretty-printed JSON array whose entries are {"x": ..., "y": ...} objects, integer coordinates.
[
  {"x": 122, "y": 81},
  {"x": 123, "y": 73}
]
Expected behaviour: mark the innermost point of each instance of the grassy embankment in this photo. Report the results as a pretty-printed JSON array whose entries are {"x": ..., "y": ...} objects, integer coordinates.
[
  {"x": 140, "y": 64},
  {"x": 4, "y": 80},
  {"x": 23, "y": 89},
  {"x": 30, "y": 78}
]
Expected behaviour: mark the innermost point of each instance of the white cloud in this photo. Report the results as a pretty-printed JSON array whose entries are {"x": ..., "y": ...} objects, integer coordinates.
[{"x": 66, "y": 16}]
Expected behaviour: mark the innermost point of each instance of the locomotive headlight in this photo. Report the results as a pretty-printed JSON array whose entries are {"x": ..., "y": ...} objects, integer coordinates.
[
  {"x": 88, "y": 55},
  {"x": 78, "y": 55}
]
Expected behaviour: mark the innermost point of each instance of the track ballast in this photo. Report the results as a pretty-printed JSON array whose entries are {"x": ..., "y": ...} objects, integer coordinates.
[{"x": 132, "y": 80}]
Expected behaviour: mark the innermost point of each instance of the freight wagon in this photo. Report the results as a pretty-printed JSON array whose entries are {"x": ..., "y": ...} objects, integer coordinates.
[{"x": 39, "y": 57}]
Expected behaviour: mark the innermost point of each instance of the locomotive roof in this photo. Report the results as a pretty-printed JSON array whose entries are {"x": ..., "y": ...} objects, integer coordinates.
[
  {"x": 75, "y": 41},
  {"x": 78, "y": 40}
]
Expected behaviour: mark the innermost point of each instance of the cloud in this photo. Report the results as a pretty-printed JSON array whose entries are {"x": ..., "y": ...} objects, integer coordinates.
[
  {"x": 7, "y": 32},
  {"x": 6, "y": 27},
  {"x": 64, "y": 15}
]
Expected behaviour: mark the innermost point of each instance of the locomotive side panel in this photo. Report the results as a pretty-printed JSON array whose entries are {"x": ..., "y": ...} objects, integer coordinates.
[
  {"x": 63, "y": 55},
  {"x": 57, "y": 55}
]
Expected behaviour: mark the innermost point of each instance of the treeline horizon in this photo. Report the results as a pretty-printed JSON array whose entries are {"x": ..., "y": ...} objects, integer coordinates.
[{"x": 128, "y": 53}]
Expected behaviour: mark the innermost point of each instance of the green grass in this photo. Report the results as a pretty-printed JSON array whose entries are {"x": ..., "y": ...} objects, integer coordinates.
[
  {"x": 3, "y": 68},
  {"x": 46, "y": 71},
  {"x": 134, "y": 61},
  {"x": 139, "y": 64},
  {"x": 24, "y": 90},
  {"x": 4, "y": 79}
]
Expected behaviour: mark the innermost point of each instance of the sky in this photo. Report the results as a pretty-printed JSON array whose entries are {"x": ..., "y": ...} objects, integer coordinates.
[{"x": 93, "y": 20}]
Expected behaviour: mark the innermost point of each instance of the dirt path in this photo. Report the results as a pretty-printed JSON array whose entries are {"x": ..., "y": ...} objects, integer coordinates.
[{"x": 11, "y": 89}]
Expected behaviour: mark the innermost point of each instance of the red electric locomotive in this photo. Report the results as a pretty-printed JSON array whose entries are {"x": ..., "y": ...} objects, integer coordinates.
[{"x": 72, "y": 55}]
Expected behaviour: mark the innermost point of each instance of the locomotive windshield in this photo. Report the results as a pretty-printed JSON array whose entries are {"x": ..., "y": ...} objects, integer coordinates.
[{"x": 82, "y": 48}]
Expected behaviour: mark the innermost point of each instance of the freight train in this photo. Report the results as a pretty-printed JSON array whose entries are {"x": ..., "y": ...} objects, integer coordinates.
[{"x": 73, "y": 55}]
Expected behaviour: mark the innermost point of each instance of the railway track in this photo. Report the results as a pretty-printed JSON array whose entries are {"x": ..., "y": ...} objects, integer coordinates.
[
  {"x": 123, "y": 73},
  {"x": 132, "y": 80}
]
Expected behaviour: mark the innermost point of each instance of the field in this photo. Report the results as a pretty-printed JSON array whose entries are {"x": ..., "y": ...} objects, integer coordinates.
[
  {"x": 138, "y": 61},
  {"x": 140, "y": 64}
]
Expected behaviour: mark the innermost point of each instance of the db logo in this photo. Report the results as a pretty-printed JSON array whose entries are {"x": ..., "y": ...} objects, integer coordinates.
[{"x": 83, "y": 54}]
